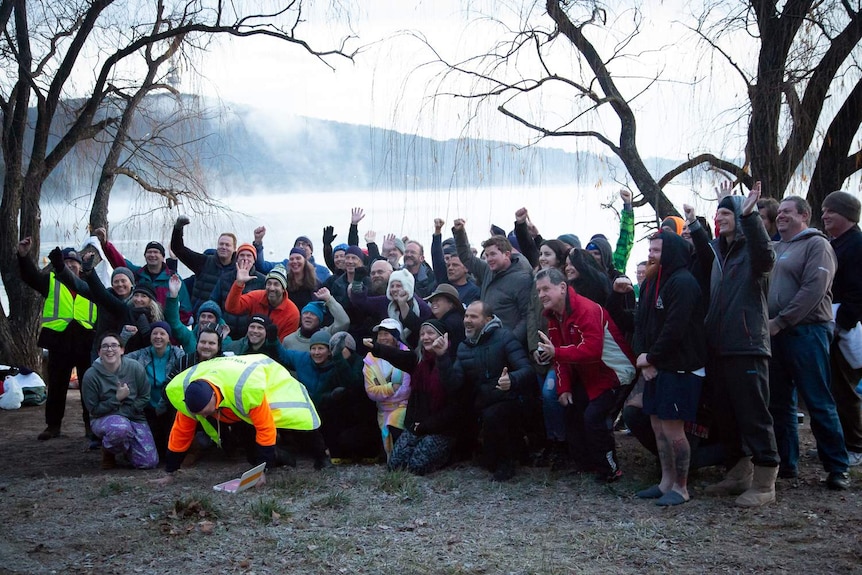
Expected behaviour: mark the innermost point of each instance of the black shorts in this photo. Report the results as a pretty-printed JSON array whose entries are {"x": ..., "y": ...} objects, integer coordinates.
[{"x": 673, "y": 396}]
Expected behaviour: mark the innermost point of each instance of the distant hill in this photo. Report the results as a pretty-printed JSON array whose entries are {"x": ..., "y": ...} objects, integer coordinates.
[{"x": 237, "y": 150}]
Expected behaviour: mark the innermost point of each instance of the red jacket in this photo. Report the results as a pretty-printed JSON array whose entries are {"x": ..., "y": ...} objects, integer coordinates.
[
  {"x": 285, "y": 316},
  {"x": 587, "y": 341}
]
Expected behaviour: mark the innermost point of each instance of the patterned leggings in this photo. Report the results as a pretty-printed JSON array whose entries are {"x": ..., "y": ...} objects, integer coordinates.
[
  {"x": 420, "y": 454},
  {"x": 123, "y": 436}
]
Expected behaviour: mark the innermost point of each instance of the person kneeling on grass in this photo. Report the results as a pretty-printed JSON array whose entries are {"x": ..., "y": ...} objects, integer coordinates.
[
  {"x": 115, "y": 392},
  {"x": 249, "y": 396}
]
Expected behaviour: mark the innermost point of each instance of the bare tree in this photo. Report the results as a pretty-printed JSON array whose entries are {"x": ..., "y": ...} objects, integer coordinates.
[
  {"x": 47, "y": 51},
  {"x": 802, "y": 85}
]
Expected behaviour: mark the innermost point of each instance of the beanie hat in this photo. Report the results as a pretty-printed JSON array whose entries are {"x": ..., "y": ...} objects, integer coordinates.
[
  {"x": 844, "y": 204},
  {"x": 261, "y": 319},
  {"x": 570, "y": 239},
  {"x": 399, "y": 245},
  {"x": 732, "y": 203},
  {"x": 306, "y": 240},
  {"x": 355, "y": 250},
  {"x": 497, "y": 231},
  {"x": 315, "y": 307},
  {"x": 280, "y": 274},
  {"x": 391, "y": 325},
  {"x": 342, "y": 339},
  {"x": 154, "y": 245},
  {"x": 123, "y": 271},
  {"x": 146, "y": 290},
  {"x": 198, "y": 395},
  {"x": 675, "y": 223},
  {"x": 340, "y": 248},
  {"x": 450, "y": 250},
  {"x": 162, "y": 324},
  {"x": 407, "y": 281},
  {"x": 299, "y": 251},
  {"x": 71, "y": 254},
  {"x": 247, "y": 247},
  {"x": 436, "y": 325},
  {"x": 320, "y": 338},
  {"x": 211, "y": 307},
  {"x": 514, "y": 241}
]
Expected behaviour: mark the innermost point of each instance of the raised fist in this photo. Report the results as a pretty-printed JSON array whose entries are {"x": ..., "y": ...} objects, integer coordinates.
[{"x": 182, "y": 222}]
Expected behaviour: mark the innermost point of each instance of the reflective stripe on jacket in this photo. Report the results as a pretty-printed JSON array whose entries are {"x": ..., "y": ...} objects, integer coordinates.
[{"x": 61, "y": 308}]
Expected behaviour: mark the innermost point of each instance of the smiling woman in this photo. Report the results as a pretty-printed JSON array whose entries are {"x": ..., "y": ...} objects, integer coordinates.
[{"x": 115, "y": 391}]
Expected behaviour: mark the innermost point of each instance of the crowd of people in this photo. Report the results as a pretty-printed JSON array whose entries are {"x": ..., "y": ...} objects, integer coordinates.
[{"x": 522, "y": 350}]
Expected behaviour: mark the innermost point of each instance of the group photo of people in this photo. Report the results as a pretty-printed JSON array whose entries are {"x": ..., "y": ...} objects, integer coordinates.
[{"x": 501, "y": 348}]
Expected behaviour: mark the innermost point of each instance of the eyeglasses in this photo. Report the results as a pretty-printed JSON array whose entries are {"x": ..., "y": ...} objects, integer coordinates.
[{"x": 107, "y": 346}]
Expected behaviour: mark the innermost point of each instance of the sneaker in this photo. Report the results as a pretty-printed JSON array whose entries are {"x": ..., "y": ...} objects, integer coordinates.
[
  {"x": 838, "y": 481},
  {"x": 49, "y": 433},
  {"x": 855, "y": 458}
]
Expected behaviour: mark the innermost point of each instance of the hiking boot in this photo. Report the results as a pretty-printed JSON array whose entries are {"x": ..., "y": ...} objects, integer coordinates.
[
  {"x": 838, "y": 481},
  {"x": 762, "y": 490},
  {"x": 50, "y": 433},
  {"x": 737, "y": 481},
  {"x": 109, "y": 460}
]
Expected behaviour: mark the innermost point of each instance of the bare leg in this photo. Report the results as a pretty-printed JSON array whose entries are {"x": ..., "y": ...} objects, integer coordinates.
[
  {"x": 674, "y": 433},
  {"x": 665, "y": 455}
]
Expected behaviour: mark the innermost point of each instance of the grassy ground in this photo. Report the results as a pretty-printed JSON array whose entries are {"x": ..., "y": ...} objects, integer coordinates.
[{"x": 61, "y": 514}]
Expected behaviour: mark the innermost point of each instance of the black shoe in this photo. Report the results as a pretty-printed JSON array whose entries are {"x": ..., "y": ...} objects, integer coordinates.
[
  {"x": 49, "y": 433},
  {"x": 321, "y": 463},
  {"x": 786, "y": 473},
  {"x": 505, "y": 472},
  {"x": 838, "y": 481},
  {"x": 284, "y": 457}
]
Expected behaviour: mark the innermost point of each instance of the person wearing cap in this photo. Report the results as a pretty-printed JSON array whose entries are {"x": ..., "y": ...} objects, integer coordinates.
[
  {"x": 386, "y": 385},
  {"x": 145, "y": 309},
  {"x": 115, "y": 391},
  {"x": 302, "y": 243},
  {"x": 208, "y": 314},
  {"x": 437, "y": 409},
  {"x": 356, "y": 277},
  {"x": 255, "y": 339},
  {"x": 801, "y": 326},
  {"x": 68, "y": 319},
  {"x": 400, "y": 303},
  {"x": 448, "y": 268},
  {"x": 242, "y": 399},
  {"x": 330, "y": 255},
  {"x": 446, "y": 306},
  {"x": 237, "y": 323},
  {"x": 493, "y": 364},
  {"x": 394, "y": 250},
  {"x": 332, "y": 372},
  {"x": 311, "y": 319},
  {"x": 159, "y": 360},
  {"x": 210, "y": 270},
  {"x": 840, "y": 219},
  {"x": 738, "y": 346},
  {"x": 505, "y": 279},
  {"x": 271, "y": 302},
  {"x": 156, "y": 274}
]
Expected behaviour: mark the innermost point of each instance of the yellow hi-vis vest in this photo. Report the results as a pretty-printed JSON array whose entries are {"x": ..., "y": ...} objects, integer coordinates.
[
  {"x": 244, "y": 380},
  {"x": 61, "y": 308}
]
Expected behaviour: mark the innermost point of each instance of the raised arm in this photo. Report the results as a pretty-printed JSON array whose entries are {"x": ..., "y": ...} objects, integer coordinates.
[{"x": 192, "y": 259}]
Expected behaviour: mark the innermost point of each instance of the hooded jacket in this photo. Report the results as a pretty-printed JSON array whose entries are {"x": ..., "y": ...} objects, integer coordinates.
[
  {"x": 847, "y": 284},
  {"x": 736, "y": 318},
  {"x": 800, "y": 285},
  {"x": 208, "y": 270},
  {"x": 506, "y": 291},
  {"x": 670, "y": 313}
]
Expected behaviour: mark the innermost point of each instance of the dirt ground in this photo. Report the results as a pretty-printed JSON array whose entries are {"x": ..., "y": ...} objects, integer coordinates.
[{"x": 62, "y": 514}]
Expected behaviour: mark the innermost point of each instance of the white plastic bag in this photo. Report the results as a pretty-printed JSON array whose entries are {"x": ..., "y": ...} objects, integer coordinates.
[{"x": 12, "y": 394}]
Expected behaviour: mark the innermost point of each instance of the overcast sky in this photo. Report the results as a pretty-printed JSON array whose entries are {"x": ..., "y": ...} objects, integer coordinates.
[{"x": 389, "y": 85}]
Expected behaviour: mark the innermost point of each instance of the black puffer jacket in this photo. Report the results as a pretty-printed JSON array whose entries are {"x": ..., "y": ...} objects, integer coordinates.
[
  {"x": 208, "y": 270},
  {"x": 480, "y": 363},
  {"x": 670, "y": 314}
]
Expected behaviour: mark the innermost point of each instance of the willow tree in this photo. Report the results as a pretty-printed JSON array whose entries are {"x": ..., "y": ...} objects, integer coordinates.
[
  {"x": 74, "y": 71},
  {"x": 571, "y": 69}
]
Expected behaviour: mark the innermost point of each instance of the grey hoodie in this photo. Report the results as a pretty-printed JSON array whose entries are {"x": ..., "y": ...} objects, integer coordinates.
[
  {"x": 800, "y": 286},
  {"x": 99, "y": 390}
]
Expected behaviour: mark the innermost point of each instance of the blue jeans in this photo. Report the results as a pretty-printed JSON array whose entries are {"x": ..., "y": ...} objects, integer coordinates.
[
  {"x": 553, "y": 412},
  {"x": 800, "y": 362}
]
